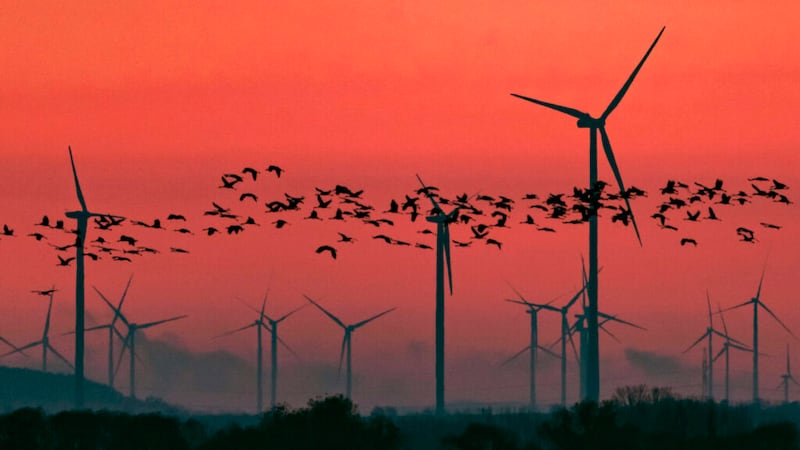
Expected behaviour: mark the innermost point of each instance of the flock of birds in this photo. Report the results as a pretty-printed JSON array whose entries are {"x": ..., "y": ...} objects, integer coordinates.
[{"x": 481, "y": 217}]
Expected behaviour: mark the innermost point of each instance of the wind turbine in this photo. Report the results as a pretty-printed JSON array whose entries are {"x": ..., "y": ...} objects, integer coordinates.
[
  {"x": 566, "y": 333},
  {"x": 709, "y": 334},
  {"x": 594, "y": 124},
  {"x": 756, "y": 302},
  {"x": 346, "y": 341},
  {"x": 726, "y": 346},
  {"x": 129, "y": 342},
  {"x": 112, "y": 329},
  {"x": 82, "y": 218},
  {"x": 442, "y": 221},
  {"x": 44, "y": 341},
  {"x": 533, "y": 310},
  {"x": 271, "y": 326},
  {"x": 787, "y": 377}
]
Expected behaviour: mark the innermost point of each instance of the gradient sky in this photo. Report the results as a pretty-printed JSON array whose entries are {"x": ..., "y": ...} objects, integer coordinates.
[{"x": 157, "y": 100}]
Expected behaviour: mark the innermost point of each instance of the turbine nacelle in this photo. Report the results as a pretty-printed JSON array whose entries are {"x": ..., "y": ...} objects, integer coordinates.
[{"x": 588, "y": 121}]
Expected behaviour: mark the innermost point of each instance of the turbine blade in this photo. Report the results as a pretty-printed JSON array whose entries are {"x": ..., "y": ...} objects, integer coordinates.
[
  {"x": 427, "y": 194},
  {"x": 332, "y": 317},
  {"x": 575, "y": 297},
  {"x": 125, "y": 293},
  {"x": 77, "y": 184},
  {"x": 793, "y": 380},
  {"x": 724, "y": 349},
  {"x": 286, "y": 346},
  {"x": 615, "y": 319},
  {"x": 571, "y": 341},
  {"x": 708, "y": 302},
  {"x": 737, "y": 306},
  {"x": 446, "y": 245},
  {"x": 700, "y": 339},
  {"x": 366, "y": 321},
  {"x": 760, "y": 282},
  {"x": 159, "y": 322},
  {"x": 615, "y": 101},
  {"x": 741, "y": 347},
  {"x": 722, "y": 317},
  {"x": 55, "y": 352},
  {"x": 290, "y": 313},
  {"x": 603, "y": 328},
  {"x": 726, "y": 337},
  {"x": 515, "y": 356},
  {"x": 21, "y": 349},
  {"x": 613, "y": 163},
  {"x": 766, "y": 308},
  {"x": 47, "y": 320},
  {"x": 341, "y": 354},
  {"x": 7, "y": 342},
  {"x": 228, "y": 333},
  {"x": 546, "y": 350},
  {"x": 117, "y": 312},
  {"x": 564, "y": 109},
  {"x": 264, "y": 303},
  {"x": 125, "y": 345}
]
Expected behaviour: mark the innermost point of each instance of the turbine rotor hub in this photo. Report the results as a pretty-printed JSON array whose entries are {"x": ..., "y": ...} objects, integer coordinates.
[{"x": 588, "y": 121}]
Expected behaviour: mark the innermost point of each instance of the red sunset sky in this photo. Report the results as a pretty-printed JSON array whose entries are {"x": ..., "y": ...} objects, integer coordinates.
[{"x": 158, "y": 100}]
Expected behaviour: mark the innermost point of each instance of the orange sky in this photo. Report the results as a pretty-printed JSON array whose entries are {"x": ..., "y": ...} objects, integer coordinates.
[{"x": 158, "y": 100}]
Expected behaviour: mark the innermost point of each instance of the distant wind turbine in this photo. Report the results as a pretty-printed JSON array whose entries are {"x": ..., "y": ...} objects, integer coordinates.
[
  {"x": 44, "y": 341},
  {"x": 112, "y": 329},
  {"x": 709, "y": 334},
  {"x": 726, "y": 346},
  {"x": 756, "y": 302},
  {"x": 347, "y": 339},
  {"x": 442, "y": 221},
  {"x": 82, "y": 218},
  {"x": 787, "y": 377},
  {"x": 533, "y": 346},
  {"x": 129, "y": 342},
  {"x": 594, "y": 124},
  {"x": 272, "y": 327}
]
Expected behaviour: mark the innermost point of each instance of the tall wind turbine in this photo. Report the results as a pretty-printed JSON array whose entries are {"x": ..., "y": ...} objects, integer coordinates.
[
  {"x": 533, "y": 346},
  {"x": 566, "y": 333},
  {"x": 44, "y": 341},
  {"x": 82, "y": 218},
  {"x": 442, "y": 221},
  {"x": 594, "y": 124},
  {"x": 709, "y": 334},
  {"x": 271, "y": 326},
  {"x": 787, "y": 377},
  {"x": 726, "y": 346},
  {"x": 129, "y": 342},
  {"x": 346, "y": 341},
  {"x": 756, "y": 302},
  {"x": 112, "y": 329}
]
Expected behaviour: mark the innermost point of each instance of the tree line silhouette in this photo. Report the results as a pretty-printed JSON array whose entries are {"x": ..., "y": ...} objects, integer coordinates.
[{"x": 636, "y": 417}]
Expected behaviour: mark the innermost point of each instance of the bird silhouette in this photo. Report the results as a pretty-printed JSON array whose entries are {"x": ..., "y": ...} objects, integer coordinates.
[
  {"x": 38, "y": 236},
  {"x": 63, "y": 261},
  {"x": 277, "y": 170},
  {"x": 250, "y": 221},
  {"x": 528, "y": 220},
  {"x": 345, "y": 238},
  {"x": 235, "y": 229},
  {"x": 178, "y": 250},
  {"x": 184, "y": 231},
  {"x": 45, "y": 292},
  {"x": 327, "y": 248},
  {"x": 211, "y": 231},
  {"x": 121, "y": 258},
  {"x": 45, "y": 222},
  {"x": 248, "y": 195},
  {"x": 423, "y": 246},
  {"x": 491, "y": 241},
  {"x": 686, "y": 241},
  {"x": 322, "y": 203},
  {"x": 711, "y": 214},
  {"x": 746, "y": 234},
  {"x": 769, "y": 225},
  {"x": 394, "y": 207},
  {"x": 385, "y": 238},
  {"x": 280, "y": 223},
  {"x": 251, "y": 171},
  {"x": 313, "y": 215},
  {"x": 461, "y": 244},
  {"x": 227, "y": 183},
  {"x": 130, "y": 240},
  {"x": 176, "y": 217},
  {"x": 7, "y": 231},
  {"x": 692, "y": 216}
]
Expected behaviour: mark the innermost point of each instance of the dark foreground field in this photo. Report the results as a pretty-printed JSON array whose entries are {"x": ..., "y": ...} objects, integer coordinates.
[{"x": 634, "y": 419}]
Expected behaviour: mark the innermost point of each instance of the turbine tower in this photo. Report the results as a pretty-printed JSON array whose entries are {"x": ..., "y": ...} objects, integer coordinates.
[
  {"x": 82, "y": 218},
  {"x": 442, "y": 221},
  {"x": 533, "y": 346},
  {"x": 44, "y": 341},
  {"x": 346, "y": 341},
  {"x": 756, "y": 302},
  {"x": 726, "y": 346},
  {"x": 787, "y": 377},
  {"x": 592, "y": 365}
]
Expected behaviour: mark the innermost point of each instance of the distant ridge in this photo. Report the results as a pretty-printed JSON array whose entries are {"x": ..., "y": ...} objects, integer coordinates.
[{"x": 53, "y": 392}]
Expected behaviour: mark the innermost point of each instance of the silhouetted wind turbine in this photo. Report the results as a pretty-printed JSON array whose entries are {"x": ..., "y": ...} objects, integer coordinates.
[
  {"x": 129, "y": 342},
  {"x": 786, "y": 378},
  {"x": 726, "y": 346},
  {"x": 594, "y": 124},
  {"x": 82, "y": 219},
  {"x": 566, "y": 333},
  {"x": 709, "y": 334},
  {"x": 271, "y": 326},
  {"x": 346, "y": 341},
  {"x": 44, "y": 341},
  {"x": 442, "y": 221},
  {"x": 533, "y": 310},
  {"x": 112, "y": 329},
  {"x": 756, "y": 302}
]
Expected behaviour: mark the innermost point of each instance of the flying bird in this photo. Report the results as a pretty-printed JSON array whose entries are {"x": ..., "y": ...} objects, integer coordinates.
[
  {"x": 251, "y": 171},
  {"x": 345, "y": 238},
  {"x": 248, "y": 195},
  {"x": 327, "y": 248},
  {"x": 64, "y": 262},
  {"x": 273, "y": 168},
  {"x": 176, "y": 217},
  {"x": 769, "y": 225},
  {"x": 686, "y": 241}
]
